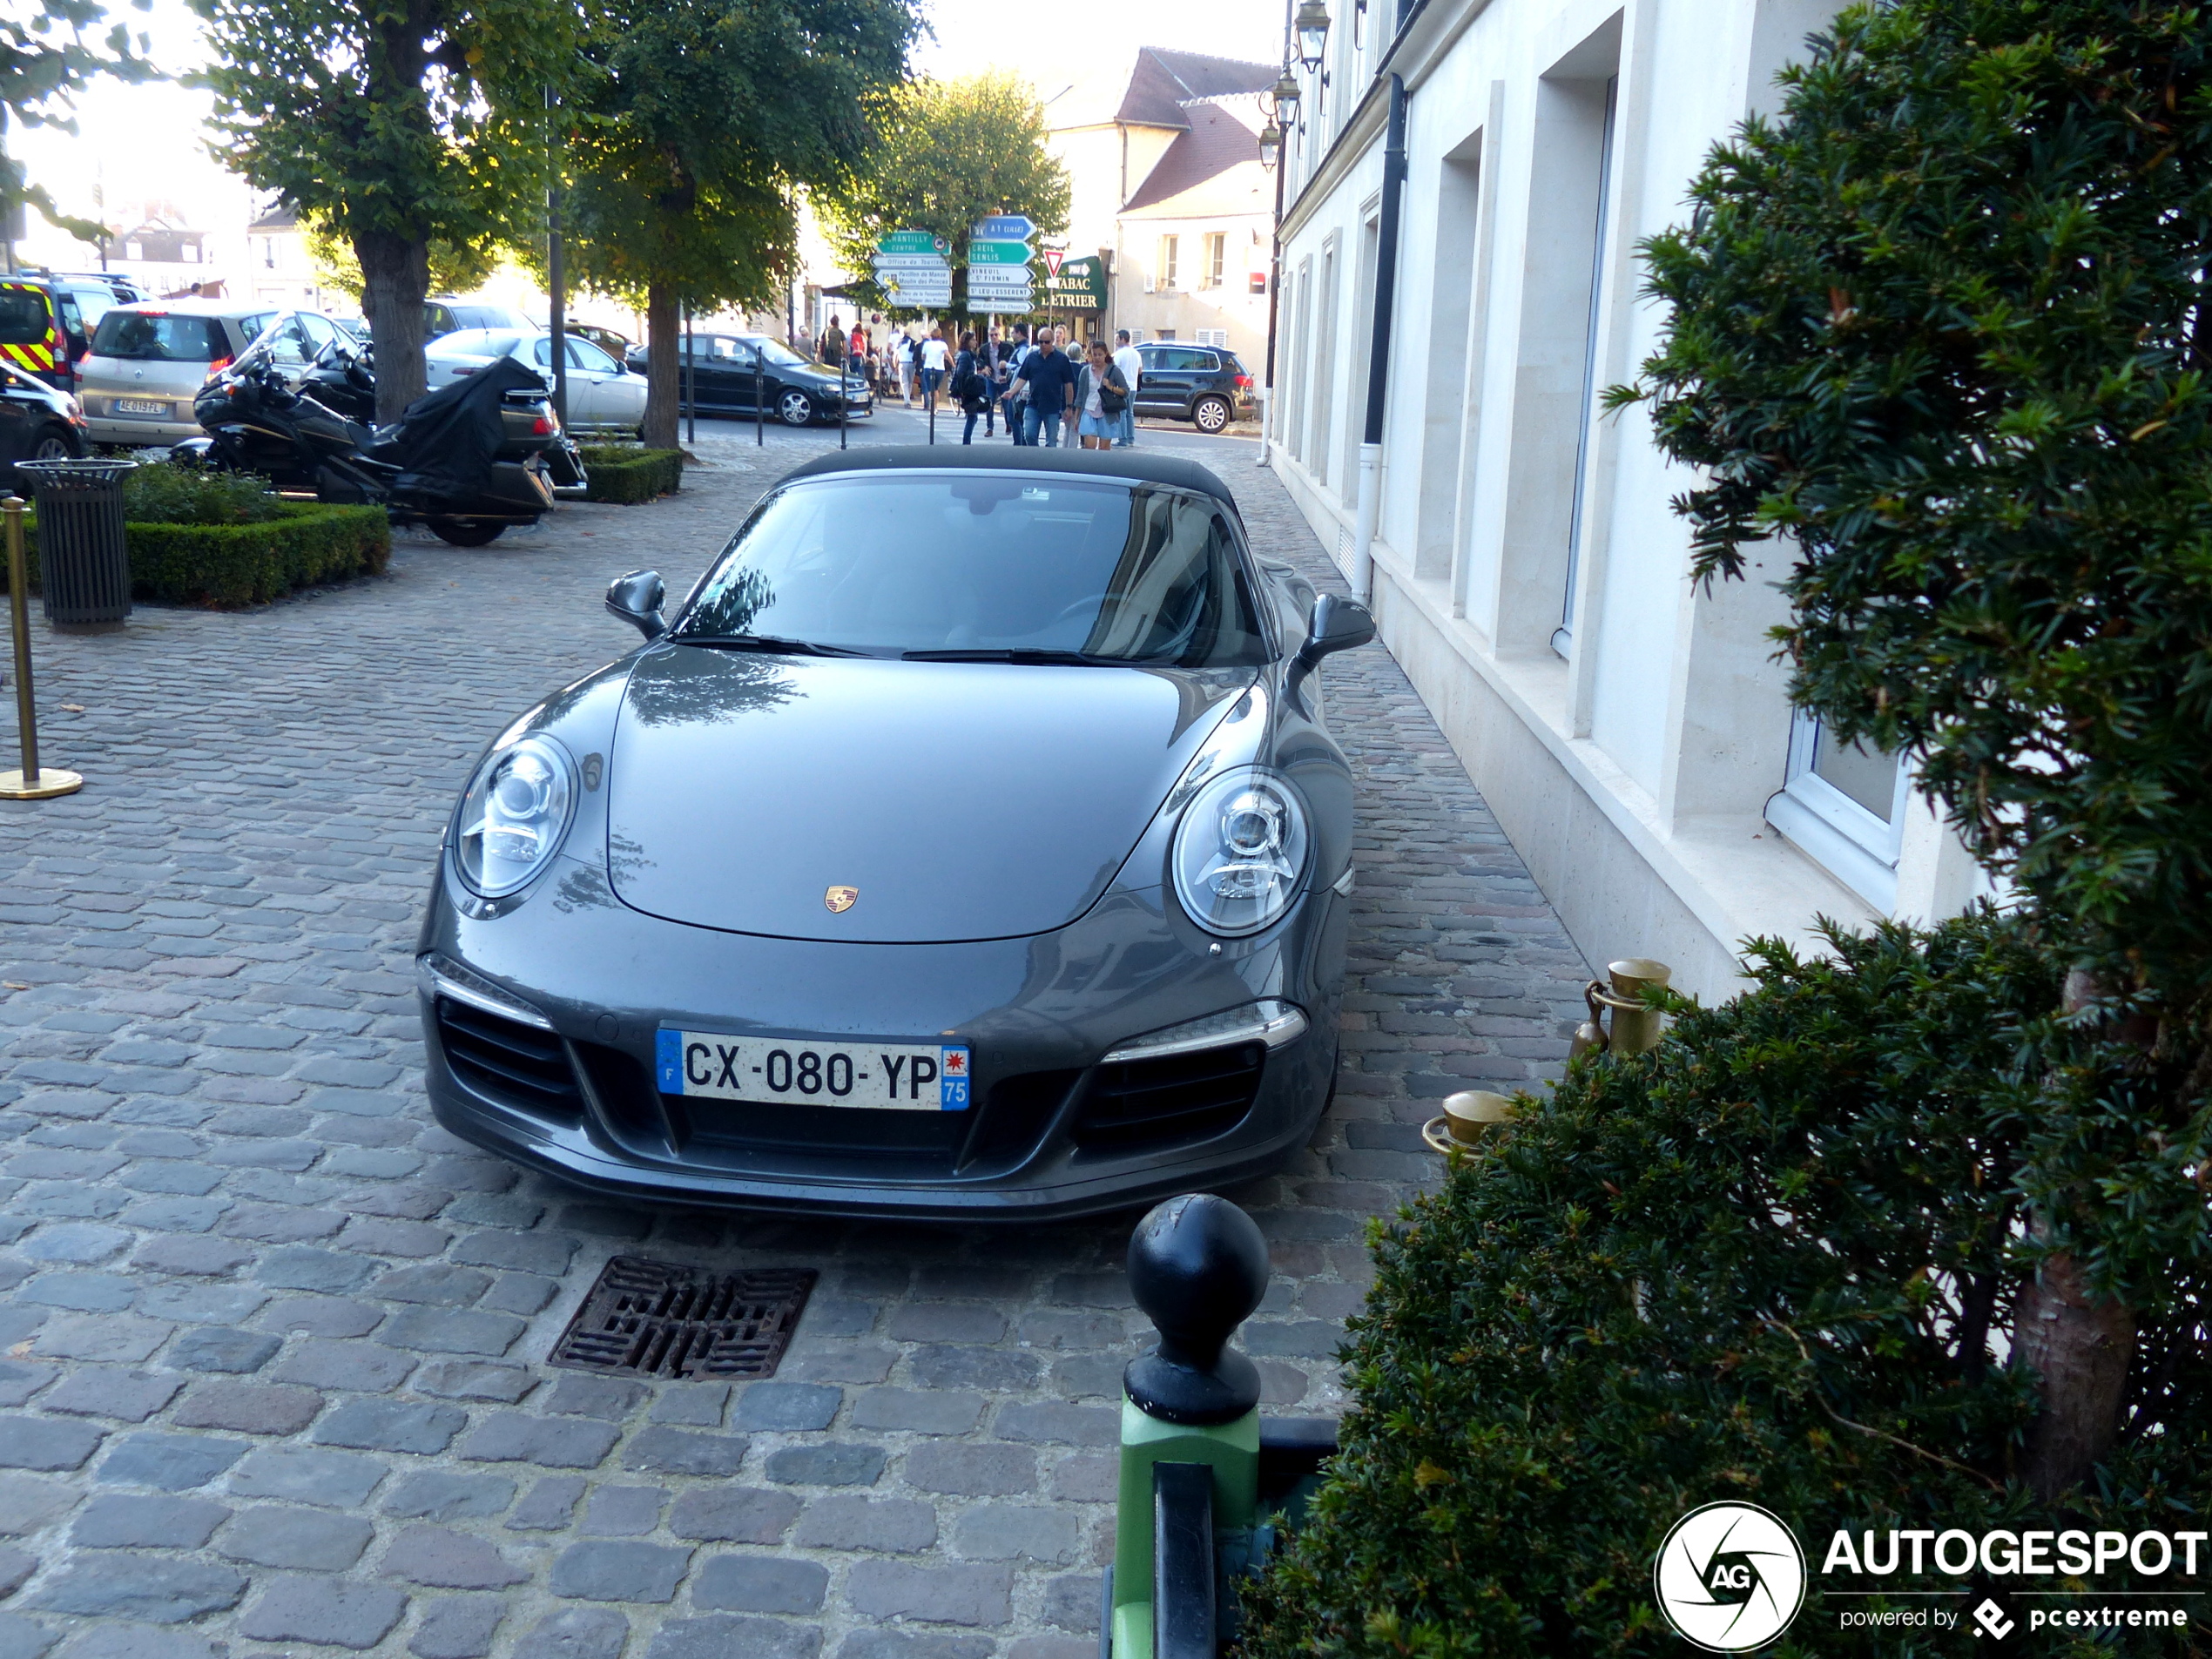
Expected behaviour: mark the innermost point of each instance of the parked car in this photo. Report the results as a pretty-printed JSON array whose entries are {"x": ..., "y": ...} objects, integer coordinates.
[
  {"x": 445, "y": 314},
  {"x": 911, "y": 871},
  {"x": 43, "y": 330},
  {"x": 604, "y": 396},
  {"x": 38, "y": 422},
  {"x": 149, "y": 361},
  {"x": 1204, "y": 385},
  {"x": 616, "y": 345},
  {"x": 796, "y": 389}
]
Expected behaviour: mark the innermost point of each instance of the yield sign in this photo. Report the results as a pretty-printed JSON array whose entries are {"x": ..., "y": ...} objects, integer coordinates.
[{"x": 1052, "y": 257}]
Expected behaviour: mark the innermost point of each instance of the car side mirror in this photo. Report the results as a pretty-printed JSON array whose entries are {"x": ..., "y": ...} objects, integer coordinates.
[
  {"x": 1338, "y": 624},
  {"x": 637, "y": 598}
]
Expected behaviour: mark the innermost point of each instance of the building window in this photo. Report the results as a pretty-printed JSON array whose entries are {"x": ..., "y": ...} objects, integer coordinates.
[
  {"x": 1844, "y": 805},
  {"x": 1214, "y": 337},
  {"x": 1170, "y": 247},
  {"x": 1216, "y": 260},
  {"x": 1563, "y": 639}
]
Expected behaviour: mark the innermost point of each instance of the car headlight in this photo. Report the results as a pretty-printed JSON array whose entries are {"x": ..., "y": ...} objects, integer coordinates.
[
  {"x": 1240, "y": 852},
  {"x": 512, "y": 819}
]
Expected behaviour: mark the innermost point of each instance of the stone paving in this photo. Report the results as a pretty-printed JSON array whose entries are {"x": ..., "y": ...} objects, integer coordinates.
[{"x": 271, "y": 1344}]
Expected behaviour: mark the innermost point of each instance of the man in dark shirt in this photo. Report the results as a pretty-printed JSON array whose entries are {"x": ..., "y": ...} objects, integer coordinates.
[{"x": 1051, "y": 380}]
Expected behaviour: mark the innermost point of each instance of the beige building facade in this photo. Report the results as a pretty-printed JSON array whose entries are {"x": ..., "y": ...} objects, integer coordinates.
[{"x": 1162, "y": 151}]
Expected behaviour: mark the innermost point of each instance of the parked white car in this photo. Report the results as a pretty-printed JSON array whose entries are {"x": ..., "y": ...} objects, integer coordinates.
[{"x": 604, "y": 396}]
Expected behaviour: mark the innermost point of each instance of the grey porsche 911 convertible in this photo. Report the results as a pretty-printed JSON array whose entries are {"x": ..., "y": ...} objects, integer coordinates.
[{"x": 970, "y": 844}]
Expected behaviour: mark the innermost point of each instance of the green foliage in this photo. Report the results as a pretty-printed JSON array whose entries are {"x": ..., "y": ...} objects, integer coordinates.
[
  {"x": 165, "y": 493},
  {"x": 455, "y": 268},
  {"x": 48, "y": 52},
  {"x": 1766, "y": 1263},
  {"x": 627, "y": 473},
  {"x": 953, "y": 152},
  {"x": 1943, "y": 325},
  {"x": 229, "y": 564}
]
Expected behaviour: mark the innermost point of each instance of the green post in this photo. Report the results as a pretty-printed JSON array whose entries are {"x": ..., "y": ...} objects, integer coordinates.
[{"x": 1197, "y": 1265}]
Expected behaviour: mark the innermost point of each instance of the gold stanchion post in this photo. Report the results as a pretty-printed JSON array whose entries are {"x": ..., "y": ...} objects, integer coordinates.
[{"x": 30, "y": 781}]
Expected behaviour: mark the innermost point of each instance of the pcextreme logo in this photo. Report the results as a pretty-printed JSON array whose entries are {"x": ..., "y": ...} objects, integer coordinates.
[{"x": 1729, "y": 1577}]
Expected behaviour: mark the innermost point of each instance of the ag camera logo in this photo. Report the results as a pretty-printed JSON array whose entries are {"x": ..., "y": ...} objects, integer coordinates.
[{"x": 1729, "y": 1577}]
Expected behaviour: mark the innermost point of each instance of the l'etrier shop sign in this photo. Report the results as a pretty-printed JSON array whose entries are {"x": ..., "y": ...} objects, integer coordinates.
[{"x": 1077, "y": 284}]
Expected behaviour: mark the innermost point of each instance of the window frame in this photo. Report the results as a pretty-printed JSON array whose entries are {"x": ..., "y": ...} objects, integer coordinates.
[
  {"x": 1170, "y": 257},
  {"x": 1854, "y": 846},
  {"x": 1217, "y": 259}
]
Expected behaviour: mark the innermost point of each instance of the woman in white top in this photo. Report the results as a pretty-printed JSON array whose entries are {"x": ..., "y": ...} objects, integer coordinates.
[{"x": 903, "y": 345}]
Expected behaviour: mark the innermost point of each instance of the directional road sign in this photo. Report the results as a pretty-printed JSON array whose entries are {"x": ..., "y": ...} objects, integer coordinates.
[
  {"x": 1001, "y": 274},
  {"x": 997, "y": 305},
  {"x": 909, "y": 262},
  {"x": 1009, "y": 227},
  {"x": 911, "y": 289},
  {"x": 912, "y": 242},
  {"x": 998, "y": 253}
]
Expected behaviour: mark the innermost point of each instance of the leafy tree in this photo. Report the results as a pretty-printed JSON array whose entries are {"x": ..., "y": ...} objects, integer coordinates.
[
  {"x": 1774, "y": 1261},
  {"x": 393, "y": 124},
  {"x": 454, "y": 268},
  {"x": 1945, "y": 325},
  {"x": 953, "y": 151},
  {"x": 48, "y": 53},
  {"x": 691, "y": 128}
]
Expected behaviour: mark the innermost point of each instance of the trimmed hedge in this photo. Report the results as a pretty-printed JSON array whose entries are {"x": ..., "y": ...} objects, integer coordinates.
[
  {"x": 1777, "y": 1260},
  {"x": 626, "y": 473},
  {"x": 244, "y": 565}
]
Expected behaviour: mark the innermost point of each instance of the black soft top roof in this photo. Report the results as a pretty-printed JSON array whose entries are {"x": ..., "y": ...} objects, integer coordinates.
[{"x": 1094, "y": 463}]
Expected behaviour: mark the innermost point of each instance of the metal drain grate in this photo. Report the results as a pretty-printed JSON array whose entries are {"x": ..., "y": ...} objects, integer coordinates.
[{"x": 663, "y": 1319}]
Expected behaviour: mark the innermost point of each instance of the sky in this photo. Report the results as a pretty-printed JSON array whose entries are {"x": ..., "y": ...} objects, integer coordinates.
[{"x": 145, "y": 144}]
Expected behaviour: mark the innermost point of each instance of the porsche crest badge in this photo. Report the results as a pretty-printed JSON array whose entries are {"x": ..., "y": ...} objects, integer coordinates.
[{"x": 840, "y": 900}]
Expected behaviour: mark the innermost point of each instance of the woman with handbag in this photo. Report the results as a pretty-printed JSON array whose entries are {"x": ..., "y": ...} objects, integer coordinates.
[
  {"x": 971, "y": 387},
  {"x": 1100, "y": 394}
]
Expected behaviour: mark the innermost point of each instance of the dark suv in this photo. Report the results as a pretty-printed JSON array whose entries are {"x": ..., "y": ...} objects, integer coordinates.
[{"x": 1204, "y": 385}]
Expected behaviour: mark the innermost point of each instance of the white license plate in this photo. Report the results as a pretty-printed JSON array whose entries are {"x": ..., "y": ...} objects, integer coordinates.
[
  {"x": 139, "y": 405},
  {"x": 803, "y": 1071}
]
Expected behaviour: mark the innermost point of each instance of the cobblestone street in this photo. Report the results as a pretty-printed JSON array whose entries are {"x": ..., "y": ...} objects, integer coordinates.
[{"x": 273, "y": 1344}]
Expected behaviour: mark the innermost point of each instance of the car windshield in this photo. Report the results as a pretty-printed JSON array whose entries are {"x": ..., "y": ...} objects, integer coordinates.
[
  {"x": 155, "y": 337},
  {"x": 1008, "y": 566},
  {"x": 781, "y": 356}
]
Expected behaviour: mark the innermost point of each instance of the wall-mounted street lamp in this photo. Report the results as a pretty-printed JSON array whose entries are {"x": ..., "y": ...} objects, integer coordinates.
[
  {"x": 1312, "y": 26},
  {"x": 1271, "y": 144},
  {"x": 1286, "y": 101}
]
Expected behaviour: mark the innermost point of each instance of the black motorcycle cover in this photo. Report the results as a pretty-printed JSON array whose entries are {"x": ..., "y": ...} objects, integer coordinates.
[{"x": 445, "y": 440}]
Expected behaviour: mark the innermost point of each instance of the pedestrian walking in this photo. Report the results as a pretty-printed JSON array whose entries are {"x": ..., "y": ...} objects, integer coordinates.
[
  {"x": 1051, "y": 380},
  {"x": 1101, "y": 395},
  {"x": 832, "y": 351},
  {"x": 1017, "y": 389},
  {"x": 903, "y": 344},
  {"x": 990, "y": 362},
  {"x": 935, "y": 358},
  {"x": 858, "y": 346},
  {"x": 1131, "y": 361},
  {"x": 971, "y": 386}
]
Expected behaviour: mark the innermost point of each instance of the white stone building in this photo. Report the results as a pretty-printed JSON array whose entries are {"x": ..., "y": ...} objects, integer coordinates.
[
  {"x": 1161, "y": 150},
  {"x": 1631, "y": 733}
]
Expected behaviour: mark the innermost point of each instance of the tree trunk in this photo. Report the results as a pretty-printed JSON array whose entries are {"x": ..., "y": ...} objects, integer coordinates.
[
  {"x": 2080, "y": 1350},
  {"x": 396, "y": 278},
  {"x": 664, "y": 365}
]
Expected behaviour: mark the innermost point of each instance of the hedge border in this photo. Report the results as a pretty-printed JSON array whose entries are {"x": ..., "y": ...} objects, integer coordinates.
[
  {"x": 233, "y": 565},
  {"x": 626, "y": 475}
]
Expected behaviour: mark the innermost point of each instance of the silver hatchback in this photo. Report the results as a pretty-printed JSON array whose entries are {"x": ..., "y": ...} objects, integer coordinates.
[{"x": 149, "y": 361}]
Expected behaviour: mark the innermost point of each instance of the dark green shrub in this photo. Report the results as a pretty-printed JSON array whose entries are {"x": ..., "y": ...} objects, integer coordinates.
[
  {"x": 242, "y": 564},
  {"x": 164, "y": 493},
  {"x": 1773, "y": 1261},
  {"x": 626, "y": 473}
]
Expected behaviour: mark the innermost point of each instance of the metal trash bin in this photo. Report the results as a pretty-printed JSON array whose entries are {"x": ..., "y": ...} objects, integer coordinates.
[{"x": 84, "y": 567}]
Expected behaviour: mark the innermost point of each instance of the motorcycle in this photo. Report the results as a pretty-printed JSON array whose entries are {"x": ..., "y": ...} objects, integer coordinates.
[
  {"x": 445, "y": 464},
  {"x": 342, "y": 377}
]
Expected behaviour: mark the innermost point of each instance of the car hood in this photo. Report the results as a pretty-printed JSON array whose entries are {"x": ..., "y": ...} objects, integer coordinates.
[{"x": 962, "y": 801}]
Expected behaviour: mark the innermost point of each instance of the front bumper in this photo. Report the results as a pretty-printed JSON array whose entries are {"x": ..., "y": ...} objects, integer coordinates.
[{"x": 1052, "y": 1132}]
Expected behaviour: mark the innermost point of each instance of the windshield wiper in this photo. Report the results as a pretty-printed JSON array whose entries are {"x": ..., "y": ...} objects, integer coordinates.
[
  {"x": 769, "y": 643},
  {"x": 1024, "y": 654}
]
